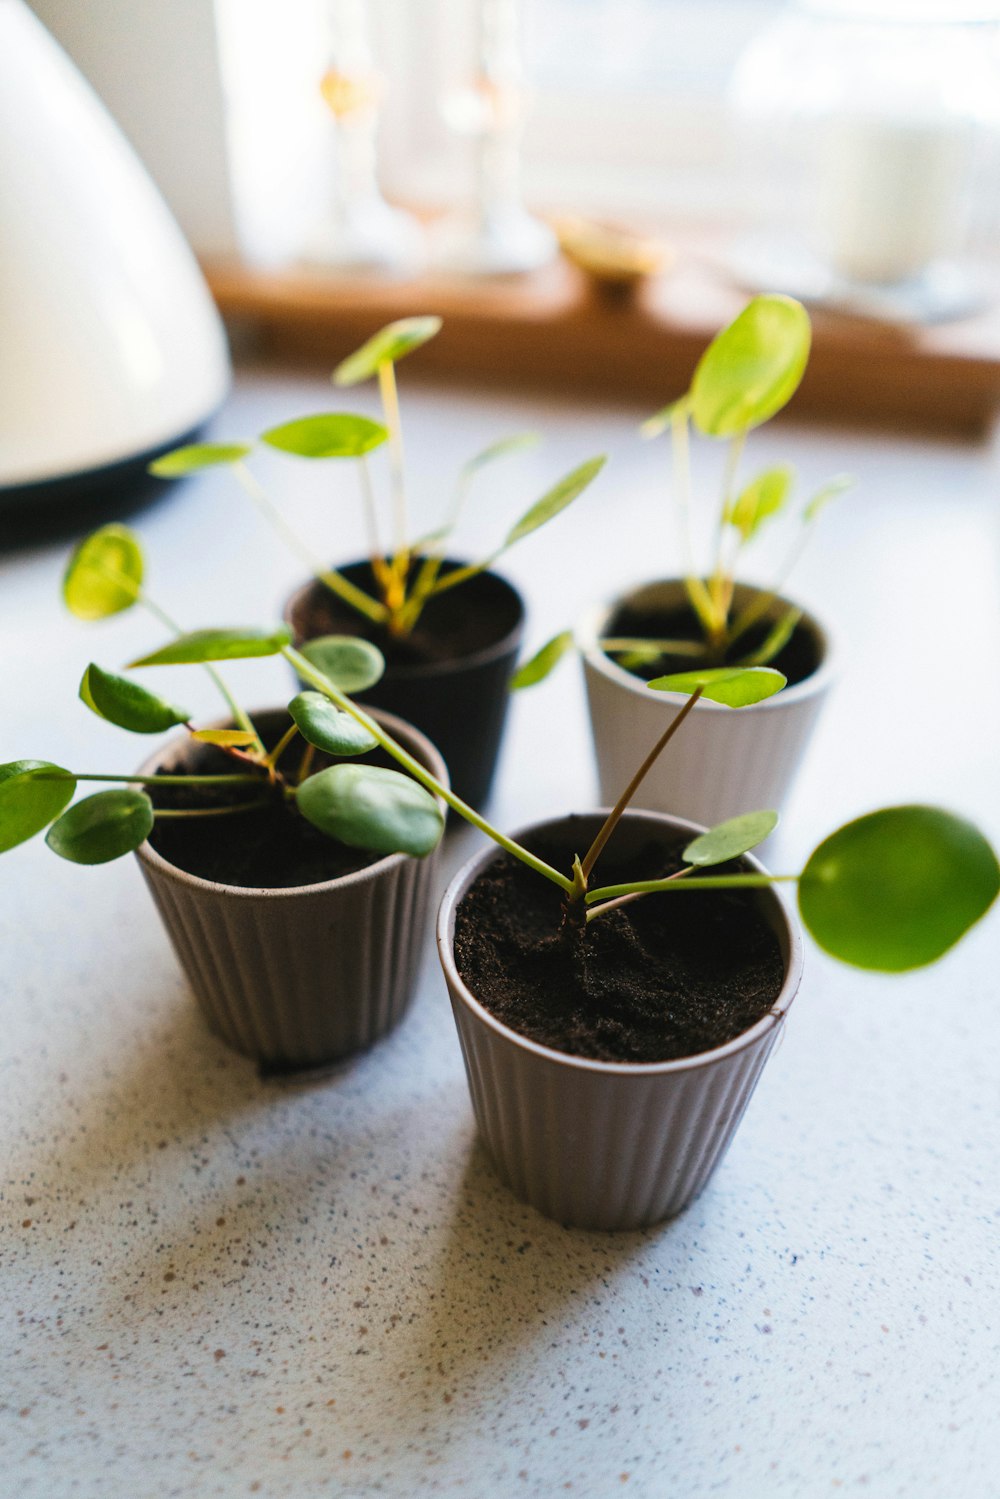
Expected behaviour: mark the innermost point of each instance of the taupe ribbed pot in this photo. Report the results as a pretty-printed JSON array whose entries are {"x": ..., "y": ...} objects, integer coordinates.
[
  {"x": 601, "y": 1144},
  {"x": 299, "y": 977}
]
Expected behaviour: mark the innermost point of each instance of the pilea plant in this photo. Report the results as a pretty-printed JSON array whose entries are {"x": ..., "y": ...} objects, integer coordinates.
[{"x": 408, "y": 572}]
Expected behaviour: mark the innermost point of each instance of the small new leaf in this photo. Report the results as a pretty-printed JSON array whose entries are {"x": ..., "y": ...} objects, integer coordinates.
[
  {"x": 102, "y": 827},
  {"x": 763, "y": 497},
  {"x": 350, "y": 663},
  {"x": 32, "y": 793},
  {"x": 752, "y": 368},
  {"x": 217, "y": 645},
  {"x": 728, "y": 840},
  {"x": 365, "y": 806},
  {"x": 104, "y": 574},
  {"x": 387, "y": 346},
  {"x": 332, "y": 435},
  {"x": 519, "y": 442},
  {"x": 123, "y": 702},
  {"x": 830, "y": 490},
  {"x": 555, "y": 500},
  {"x": 198, "y": 455},
  {"x": 542, "y": 662},
  {"x": 734, "y": 686},
  {"x": 328, "y": 727}
]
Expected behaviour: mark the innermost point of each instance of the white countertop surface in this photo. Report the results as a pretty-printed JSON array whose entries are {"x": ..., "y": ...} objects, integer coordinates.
[{"x": 214, "y": 1285}]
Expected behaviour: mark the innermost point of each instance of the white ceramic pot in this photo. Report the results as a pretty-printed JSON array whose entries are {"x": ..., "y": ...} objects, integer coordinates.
[{"x": 724, "y": 761}]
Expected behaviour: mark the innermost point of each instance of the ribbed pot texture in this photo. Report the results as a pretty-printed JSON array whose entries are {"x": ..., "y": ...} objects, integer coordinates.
[
  {"x": 460, "y": 704},
  {"x": 299, "y": 977},
  {"x": 606, "y": 1145},
  {"x": 724, "y": 761}
]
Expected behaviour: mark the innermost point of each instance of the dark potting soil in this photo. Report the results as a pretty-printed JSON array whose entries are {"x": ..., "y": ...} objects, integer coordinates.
[
  {"x": 797, "y": 659},
  {"x": 468, "y": 618},
  {"x": 666, "y": 976},
  {"x": 272, "y": 847}
]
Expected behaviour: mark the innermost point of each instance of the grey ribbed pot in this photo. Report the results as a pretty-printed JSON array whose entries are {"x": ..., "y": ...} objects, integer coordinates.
[
  {"x": 607, "y": 1145},
  {"x": 299, "y": 977},
  {"x": 723, "y": 762}
]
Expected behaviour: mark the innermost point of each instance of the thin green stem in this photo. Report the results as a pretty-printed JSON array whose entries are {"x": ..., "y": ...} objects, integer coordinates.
[
  {"x": 647, "y": 646},
  {"x": 390, "y": 407},
  {"x": 259, "y": 801},
  {"x": 371, "y": 511},
  {"x": 717, "y": 585},
  {"x": 633, "y": 895},
  {"x": 402, "y": 757},
  {"x": 282, "y": 744},
  {"x": 704, "y": 882},
  {"x": 160, "y": 780},
  {"x": 680, "y": 448}
]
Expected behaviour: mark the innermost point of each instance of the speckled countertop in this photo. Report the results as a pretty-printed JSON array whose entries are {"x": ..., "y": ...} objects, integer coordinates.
[{"x": 215, "y": 1285}]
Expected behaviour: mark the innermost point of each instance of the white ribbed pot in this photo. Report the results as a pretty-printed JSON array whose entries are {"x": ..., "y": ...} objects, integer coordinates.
[
  {"x": 607, "y": 1145},
  {"x": 724, "y": 761},
  {"x": 303, "y": 976}
]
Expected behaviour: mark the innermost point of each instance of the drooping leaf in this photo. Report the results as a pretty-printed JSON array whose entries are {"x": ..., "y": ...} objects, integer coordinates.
[
  {"x": 727, "y": 840},
  {"x": 328, "y": 727},
  {"x": 518, "y": 442},
  {"x": 352, "y": 664},
  {"x": 752, "y": 368},
  {"x": 555, "y": 500},
  {"x": 225, "y": 738},
  {"x": 897, "y": 888},
  {"x": 368, "y": 807},
  {"x": 217, "y": 645},
  {"x": 829, "y": 491},
  {"x": 104, "y": 574},
  {"x": 763, "y": 497},
  {"x": 662, "y": 419},
  {"x": 198, "y": 455},
  {"x": 542, "y": 662},
  {"x": 775, "y": 640},
  {"x": 102, "y": 827},
  {"x": 387, "y": 346},
  {"x": 735, "y": 686},
  {"x": 32, "y": 793},
  {"x": 123, "y": 702},
  {"x": 335, "y": 434}
]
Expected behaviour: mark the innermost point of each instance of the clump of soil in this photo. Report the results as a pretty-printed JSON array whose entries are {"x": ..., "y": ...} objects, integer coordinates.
[
  {"x": 796, "y": 660},
  {"x": 663, "y": 977}
]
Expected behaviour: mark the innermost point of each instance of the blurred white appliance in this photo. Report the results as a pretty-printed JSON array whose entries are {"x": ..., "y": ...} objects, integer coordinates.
[{"x": 111, "y": 349}]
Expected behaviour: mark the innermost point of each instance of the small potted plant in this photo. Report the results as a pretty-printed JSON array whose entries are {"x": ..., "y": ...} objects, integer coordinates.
[
  {"x": 448, "y": 630},
  {"x": 726, "y": 762},
  {"x": 293, "y": 875}
]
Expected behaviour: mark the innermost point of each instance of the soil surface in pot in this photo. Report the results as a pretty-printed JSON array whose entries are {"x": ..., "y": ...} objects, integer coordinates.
[
  {"x": 467, "y": 619},
  {"x": 272, "y": 847},
  {"x": 797, "y": 660},
  {"x": 666, "y": 976}
]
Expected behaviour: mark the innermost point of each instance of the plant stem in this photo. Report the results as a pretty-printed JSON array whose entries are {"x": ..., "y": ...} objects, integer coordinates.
[
  {"x": 650, "y": 647},
  {"x": 390, "y": 406},
  {"x": 402, "y": 757},
  {"x": 161, "y": 780},
  {"x": 260, "y": 801},
  {"x": 680, "y": 447},
  {"x": 271, "y": 759},
  {"x": 371, "y": 514},
  {"x": 614, "y": 816},
  {"x": 305, "y": 763},
  {"x": 625, "y": 900},
  {"x": 717, "y": 584},
  {"x": 704, "y": 882}
]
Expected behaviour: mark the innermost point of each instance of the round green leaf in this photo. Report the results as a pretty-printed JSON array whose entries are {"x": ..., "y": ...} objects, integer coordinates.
[
  {"x": 387, "y": 346},
  {"x": 123, "y": 702},
  {"x": 198, "y": 455},
  {"x": 102, "y": 827},
  {"x": 735, "y": 686},
  {"x": 333, "y": 435},
  {"x": 368, "y": 807},
  {"x": 727, "y": 840},
  {"x": 897, "y": 888},
  {"x": 32, "y": 793},
  {"x": 555, "y": 499},
  {"x": 542, "y": 662},
  {"x": 352, "y": 664},
  {"x": 217, "y": 645},
  {"x": 104, "y": 574},
  {"x": 751, "y": 369},
  {"x": 329, "y": 728}
]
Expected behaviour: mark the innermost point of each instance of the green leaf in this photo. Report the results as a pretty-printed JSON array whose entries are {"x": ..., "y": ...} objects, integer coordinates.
[
  {"x": 662, "y": 419},
  {"x": 542, "y": 662},
  {"x": 775, "y": 640},
  {"x": 735, "y": 686},
  {"x": 32, "y": 793},
  {"x": 217, "y": 645},
  {"x": 555, "y": 499},
  {"x": 198, "y": 455},
  {"x": 763, "y": 497},
  {"x": 751, "y": 369},
  {"x": 368, "y": 807},
  {"x": 519, "y": 442},
  {"x": 329, "y": 728},
  {"x": 123, "y": 702},
  {"x": 387, "y": 346},
  {"x": 332, "y": 435},
  {"x": 727, "y": 840},
  {"x": 104, "y": 574},
  {"x": 897, "y": 888},
  {"x": 830, "y": 490},
  {"x": 352, "y": 664},
  {"x": 102, "y": 827}
]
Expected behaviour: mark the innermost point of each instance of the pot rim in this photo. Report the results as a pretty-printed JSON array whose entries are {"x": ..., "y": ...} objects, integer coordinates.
[
  {"x": 416, "y": 742},
  {"x": 473, "y": 867},
  {"x": 485, "y": 656},
  {"x": 589, "y": 629}
]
